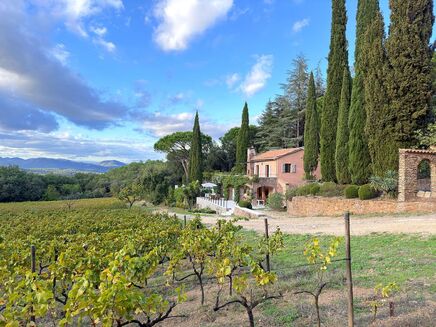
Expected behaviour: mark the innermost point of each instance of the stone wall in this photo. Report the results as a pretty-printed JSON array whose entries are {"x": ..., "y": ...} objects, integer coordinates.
[
  {"x": 321, "y": 206},
  {"x": 247, "y": 213}
]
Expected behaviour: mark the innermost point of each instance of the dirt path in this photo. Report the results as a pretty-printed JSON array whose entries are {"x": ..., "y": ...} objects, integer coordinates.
[{"x": 425, "y": 224}]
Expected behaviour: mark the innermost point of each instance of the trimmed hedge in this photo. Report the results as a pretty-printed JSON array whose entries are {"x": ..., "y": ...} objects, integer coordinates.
[
  {"x": 351, "y": 192},
  {"x": 367, "y": 192},
  {"x": 245, "y": 204}
]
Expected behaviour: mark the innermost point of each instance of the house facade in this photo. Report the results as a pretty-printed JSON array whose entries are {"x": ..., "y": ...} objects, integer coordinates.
[{"x": 277, "y": 170}]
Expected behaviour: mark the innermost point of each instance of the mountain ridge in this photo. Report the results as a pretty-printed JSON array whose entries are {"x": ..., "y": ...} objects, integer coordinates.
[{"x": 43, "y": 163}]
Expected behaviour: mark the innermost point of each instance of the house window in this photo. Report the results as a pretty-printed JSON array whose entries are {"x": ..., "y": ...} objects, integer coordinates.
[
  {"x": 267, "y": 171},
  {"x": 289, "y": 168},
  {"x": 257, "y": 170}
]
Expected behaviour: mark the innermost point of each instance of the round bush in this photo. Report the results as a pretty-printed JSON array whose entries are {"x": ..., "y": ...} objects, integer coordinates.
[
  {"x": 245, "y": 204},
  {"x": 367, "y": 192},
  {"x": 351, "y": 192}
]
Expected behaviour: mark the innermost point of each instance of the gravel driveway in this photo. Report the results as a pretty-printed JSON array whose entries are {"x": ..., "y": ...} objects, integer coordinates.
[{"x": 424, "y": 224}]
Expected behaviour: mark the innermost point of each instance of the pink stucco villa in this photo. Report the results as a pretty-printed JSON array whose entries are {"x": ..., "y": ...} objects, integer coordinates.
[{"x": 277, "y": 170}]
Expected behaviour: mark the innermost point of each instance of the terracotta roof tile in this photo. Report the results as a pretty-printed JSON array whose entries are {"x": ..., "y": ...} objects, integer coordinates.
[
  {"x": 428, "y": 151},
  {"x": 275, "y": 154}
]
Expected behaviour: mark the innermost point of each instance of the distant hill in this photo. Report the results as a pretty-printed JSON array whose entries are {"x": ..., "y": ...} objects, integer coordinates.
[{"x": 60, "y": 166}]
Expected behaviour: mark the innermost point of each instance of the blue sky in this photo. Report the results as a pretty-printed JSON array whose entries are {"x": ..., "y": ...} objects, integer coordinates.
[{"x": 104, "y": 79}]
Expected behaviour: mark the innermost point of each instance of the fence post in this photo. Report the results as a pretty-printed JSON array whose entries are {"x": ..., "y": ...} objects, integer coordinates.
[
  {"x": 348, "y": 272},
  {"x": 33, "y": 268},
  {"x": 184, "y": 221},
  {"x": 268, "y": 263},
  {"x": 391, "y": 309}
]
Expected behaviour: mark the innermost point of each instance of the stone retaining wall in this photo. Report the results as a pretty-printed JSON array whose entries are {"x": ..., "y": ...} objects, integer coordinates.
[
  {"x": 247, "y": 213},
  {"x": 320, "y": 206}
]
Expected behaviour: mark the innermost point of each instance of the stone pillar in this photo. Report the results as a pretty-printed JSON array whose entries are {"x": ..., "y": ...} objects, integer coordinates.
[{"x": 402, "y": 176}]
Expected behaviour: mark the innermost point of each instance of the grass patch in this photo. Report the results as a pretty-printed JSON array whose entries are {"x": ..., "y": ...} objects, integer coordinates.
[{"x": 376, "y": 258}]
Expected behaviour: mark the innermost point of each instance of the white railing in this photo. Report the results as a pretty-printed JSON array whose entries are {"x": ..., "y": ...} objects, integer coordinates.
[{"x": 219, "y": 204}]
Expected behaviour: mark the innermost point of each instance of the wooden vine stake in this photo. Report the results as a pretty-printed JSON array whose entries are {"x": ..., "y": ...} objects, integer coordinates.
[
  {"x": 268, "y": 263},
  {"x": 348, "y": 272},
  {"x": 33, "y": 267}
]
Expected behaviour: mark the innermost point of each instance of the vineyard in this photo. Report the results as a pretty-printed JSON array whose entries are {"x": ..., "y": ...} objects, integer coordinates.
[{"x": 97, "y": 263}]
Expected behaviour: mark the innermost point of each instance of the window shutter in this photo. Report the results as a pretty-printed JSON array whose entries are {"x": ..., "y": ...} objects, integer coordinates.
[
  {"x": 293, "y": 168},
  {"x": 283, "y": 168}
]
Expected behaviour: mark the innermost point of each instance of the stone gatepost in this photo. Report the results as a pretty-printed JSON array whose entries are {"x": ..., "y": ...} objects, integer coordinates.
[{"x": 408, "y": 172}]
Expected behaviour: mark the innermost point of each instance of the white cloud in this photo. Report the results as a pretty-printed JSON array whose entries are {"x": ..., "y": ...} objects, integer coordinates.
[
  {"x": 181, "y": 21},
  {"x": 300, "y": 24},
  {"x": 60, "y": 53},
  {"x": 160, "y": 124},
  {"x": 259, "y": 74},
  {"x": 74, "y": 11},
  {"x": 107, "y": 45},
  {"x": 232, "y": 79},
  {"x": 100, "y": 32}
]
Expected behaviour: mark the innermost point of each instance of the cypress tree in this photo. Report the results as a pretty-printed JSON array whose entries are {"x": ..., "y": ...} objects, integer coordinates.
[
  {"x": 342, "y": 134},
  {"x": 337, "y": 62},
  {"x": 409, "y": 53},
  {"x": 195, "y": 161},
  {"x": 380, "y": 120},
  {"x": 311, "y": 131},
  {"x": 242, "y": 143},
  {"x": 359, "y": 162}
]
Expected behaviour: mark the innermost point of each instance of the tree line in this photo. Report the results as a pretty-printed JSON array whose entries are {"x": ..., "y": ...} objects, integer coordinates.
[{"x": 386, "y": 106}]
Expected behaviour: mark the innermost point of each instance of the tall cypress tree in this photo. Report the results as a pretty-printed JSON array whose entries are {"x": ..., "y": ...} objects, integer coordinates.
[
  {"x": 196, "y": 160},
  {"x": 409, "y": 53},
  {"x": 342, "y": 134},
  {"x": 381, "y": 119},
  {"x": 242, "y": 143},
  {"x": 359, "y": 164},
  {"x": 311, "y": 131},
  {"x": 337, "y": 62}
]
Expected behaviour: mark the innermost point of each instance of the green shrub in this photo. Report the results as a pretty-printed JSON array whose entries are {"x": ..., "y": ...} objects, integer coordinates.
[
  {"x": 388, "y": 184},
  {"x": 330, "y": 189},
  {"x": 275, "y": 201},
  {"x": 245, "y": 204},
  {"x": 314, "y": 189},
  {"x": 179, "y": 197},
  {"x": 203, "y": 210},
  {"x": 290, "y": 193},
  {"x": 304, "y": 190},
  {"x": 351, "y": 192},
  {"x": 367, "y": 192}
]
